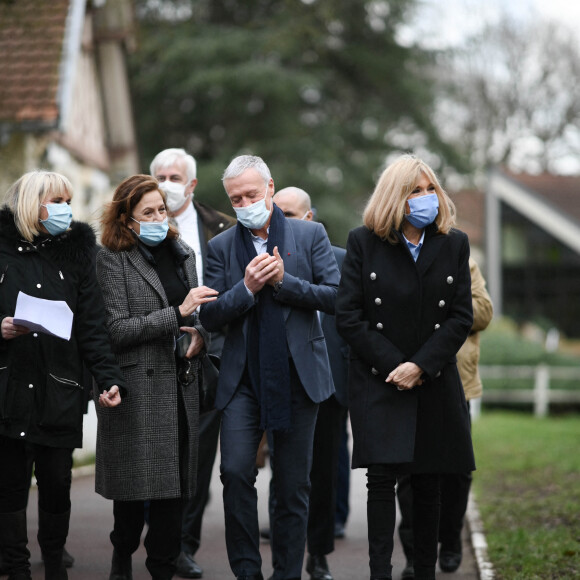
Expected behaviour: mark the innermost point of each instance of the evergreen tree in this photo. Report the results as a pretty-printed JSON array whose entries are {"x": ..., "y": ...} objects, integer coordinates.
[{"x": 321, "y": 89}]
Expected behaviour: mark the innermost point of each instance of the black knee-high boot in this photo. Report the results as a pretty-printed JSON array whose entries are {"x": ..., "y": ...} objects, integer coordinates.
[
  {"x": 121, "y": 566},
  {"x": 14, "y": 542},
  {"x": 52, "y": 533}
]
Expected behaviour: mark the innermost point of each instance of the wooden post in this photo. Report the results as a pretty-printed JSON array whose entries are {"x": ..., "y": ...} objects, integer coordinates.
[{"x": 541, "y": 390}]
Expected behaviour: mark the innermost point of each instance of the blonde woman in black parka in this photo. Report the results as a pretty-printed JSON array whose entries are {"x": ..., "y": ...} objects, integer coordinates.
[
  {"x": 404, "y": 307},
  {"x": 45, "y": 254}
]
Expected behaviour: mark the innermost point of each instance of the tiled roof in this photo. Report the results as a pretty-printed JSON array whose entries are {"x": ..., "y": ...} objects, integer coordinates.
[
  {"x": 560, "y": 191},
  {"x": 470, "y": 206},
  {"x": 31, "y": 47}
]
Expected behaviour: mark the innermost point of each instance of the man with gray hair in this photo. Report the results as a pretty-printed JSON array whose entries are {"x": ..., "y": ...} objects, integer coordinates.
[
  {"x": 197, "y": 223},
  {"x": 273, "y": 275}
]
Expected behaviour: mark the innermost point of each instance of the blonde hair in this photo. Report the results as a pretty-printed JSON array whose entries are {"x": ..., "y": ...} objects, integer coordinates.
[
  {"x": 27, "y": 193},
  {"x": 385, "y": 209}
]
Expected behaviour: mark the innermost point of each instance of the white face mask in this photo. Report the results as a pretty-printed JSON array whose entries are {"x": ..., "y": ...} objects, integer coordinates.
[
  {"x": 254, "y": 216},
  {"x": 175, "y": 193}
]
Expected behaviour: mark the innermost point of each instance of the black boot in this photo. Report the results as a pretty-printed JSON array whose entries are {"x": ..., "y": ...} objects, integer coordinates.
[
  {"x": 52, "y": 533},
  {"x": 121, "y": 567},
  {"x": 67, "y": 559},
  {"x": 14, "y": 541},
  {"x": 3, "y": 567}
]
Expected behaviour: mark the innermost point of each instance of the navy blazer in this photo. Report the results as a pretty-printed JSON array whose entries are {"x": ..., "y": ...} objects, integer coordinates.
[{"x": 310, "y": 283}]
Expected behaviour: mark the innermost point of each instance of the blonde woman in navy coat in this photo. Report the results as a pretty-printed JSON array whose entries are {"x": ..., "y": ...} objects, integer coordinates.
[{"x": 404, "y": 307}]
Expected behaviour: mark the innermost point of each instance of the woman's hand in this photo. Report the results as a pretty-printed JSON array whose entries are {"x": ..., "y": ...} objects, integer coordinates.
[
  {"x": 195, "y": 297},
  {"x": 197, "y": 342},
  {"x": 406, "y": 376},
  {"x": 110, "y": 398},
  {"x": 11, "y": 330}
]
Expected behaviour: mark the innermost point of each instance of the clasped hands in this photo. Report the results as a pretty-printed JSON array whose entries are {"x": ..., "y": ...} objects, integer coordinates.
[
  {"x": 406, "y": 376},
  {"x": 264, "y": 269}
]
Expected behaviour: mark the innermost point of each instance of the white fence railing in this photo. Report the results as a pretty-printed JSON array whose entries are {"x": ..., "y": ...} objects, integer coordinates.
[{"x": 541, "y": 395}]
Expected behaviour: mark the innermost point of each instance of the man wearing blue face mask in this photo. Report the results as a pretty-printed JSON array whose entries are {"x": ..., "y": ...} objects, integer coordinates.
[{"x": 272, "y": 275}]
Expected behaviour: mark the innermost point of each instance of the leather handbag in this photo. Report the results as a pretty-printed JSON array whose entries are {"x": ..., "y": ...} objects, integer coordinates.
[
  {"x": 208, "y": 382},
  {"x": 209, "y": 373}
]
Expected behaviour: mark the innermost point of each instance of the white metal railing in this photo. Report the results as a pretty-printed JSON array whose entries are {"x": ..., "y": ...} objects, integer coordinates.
[{"x": 541, "y": 395}]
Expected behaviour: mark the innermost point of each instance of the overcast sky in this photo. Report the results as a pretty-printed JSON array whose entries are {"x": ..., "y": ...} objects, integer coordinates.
[{"x": 448, "y": 21}]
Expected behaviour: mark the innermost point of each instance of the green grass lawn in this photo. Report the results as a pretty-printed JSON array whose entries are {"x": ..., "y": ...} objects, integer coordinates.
[{"x": 527, "y": 486}]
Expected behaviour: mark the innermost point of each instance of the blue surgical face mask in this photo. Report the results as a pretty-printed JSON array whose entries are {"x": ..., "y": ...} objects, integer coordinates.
[
  {"x": 424, "y": 210},
  {"x": 254, "y": 216},
  {"x": 152, "y": 233},
  {"x": 59, "y": 218}
]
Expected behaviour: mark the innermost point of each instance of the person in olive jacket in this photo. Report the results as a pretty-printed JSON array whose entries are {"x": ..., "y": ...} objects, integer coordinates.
[
  {"x": 46, "y": 255},
  {"x": 404, "y": 307}
]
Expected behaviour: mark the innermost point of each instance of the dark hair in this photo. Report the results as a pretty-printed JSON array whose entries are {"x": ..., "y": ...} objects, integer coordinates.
[{"x": 116, "y": 234}]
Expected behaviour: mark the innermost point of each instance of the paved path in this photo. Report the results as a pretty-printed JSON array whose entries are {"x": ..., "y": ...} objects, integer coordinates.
[{"x": 92, "y": 518}]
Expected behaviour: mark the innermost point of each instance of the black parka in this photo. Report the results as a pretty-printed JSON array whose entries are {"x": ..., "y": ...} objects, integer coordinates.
[{"x": 41, "y": 376}]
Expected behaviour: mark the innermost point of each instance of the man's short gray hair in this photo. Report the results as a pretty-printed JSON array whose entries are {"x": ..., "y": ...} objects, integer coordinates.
[
  {"x": 244, "y": 162},
  {"x": 169, "y": 157}
]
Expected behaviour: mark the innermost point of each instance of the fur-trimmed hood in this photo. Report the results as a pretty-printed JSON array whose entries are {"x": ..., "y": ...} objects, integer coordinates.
[{"x": 77, "y": 245}]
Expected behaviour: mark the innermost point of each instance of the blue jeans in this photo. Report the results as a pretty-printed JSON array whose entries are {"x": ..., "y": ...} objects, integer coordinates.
[{"x": 240, "y": 436}]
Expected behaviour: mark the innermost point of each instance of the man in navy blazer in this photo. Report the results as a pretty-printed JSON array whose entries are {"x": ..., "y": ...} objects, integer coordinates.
[{"x": 272, "y": 275}]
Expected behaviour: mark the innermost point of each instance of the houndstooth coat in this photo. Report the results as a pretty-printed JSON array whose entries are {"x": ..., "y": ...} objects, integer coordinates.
[{"x": 137, "y": 442}]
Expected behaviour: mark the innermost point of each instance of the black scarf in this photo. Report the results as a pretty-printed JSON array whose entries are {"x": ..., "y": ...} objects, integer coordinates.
[{"x": 267, "y": 351}]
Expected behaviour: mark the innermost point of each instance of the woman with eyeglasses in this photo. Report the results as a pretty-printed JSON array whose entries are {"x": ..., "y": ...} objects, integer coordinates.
[{"x": 147, "y": 449}]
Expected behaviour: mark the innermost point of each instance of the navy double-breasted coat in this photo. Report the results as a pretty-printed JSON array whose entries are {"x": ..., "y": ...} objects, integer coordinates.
[{"x": 391, "y": 309}]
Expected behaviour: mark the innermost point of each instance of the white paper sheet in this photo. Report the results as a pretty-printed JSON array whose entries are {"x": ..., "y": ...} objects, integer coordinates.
[{"x": 52, "y": 317}]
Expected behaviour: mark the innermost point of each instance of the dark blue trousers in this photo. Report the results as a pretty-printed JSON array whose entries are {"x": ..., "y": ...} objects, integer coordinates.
[{"x": 240, "y": 436}]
